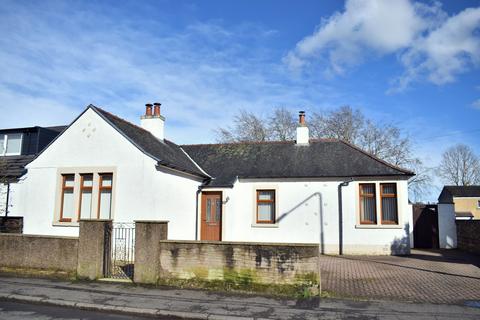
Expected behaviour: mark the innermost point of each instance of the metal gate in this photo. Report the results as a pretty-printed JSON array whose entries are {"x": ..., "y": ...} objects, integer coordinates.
[{"x": 119, "y": 253}]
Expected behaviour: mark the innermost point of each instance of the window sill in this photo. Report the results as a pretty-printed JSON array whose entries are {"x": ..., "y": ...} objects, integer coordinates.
[
  {"x": 264, "y": 225},
  {"x": 379, "y": 226},
  {"x": 65, "y": 224}
]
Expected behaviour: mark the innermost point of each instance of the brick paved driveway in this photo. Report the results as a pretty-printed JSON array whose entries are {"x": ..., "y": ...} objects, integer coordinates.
[{"x": 441, "y": 276}]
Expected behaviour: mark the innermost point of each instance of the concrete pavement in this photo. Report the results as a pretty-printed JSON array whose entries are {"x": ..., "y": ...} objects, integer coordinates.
[{"x": 197, "y": 304}]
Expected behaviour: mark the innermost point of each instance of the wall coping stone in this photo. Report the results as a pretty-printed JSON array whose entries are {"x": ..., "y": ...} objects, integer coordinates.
[
  {"x": 279, "y": 244},
  {"x": 36, "y": 236},
  {"x": 152, "y": 221}
]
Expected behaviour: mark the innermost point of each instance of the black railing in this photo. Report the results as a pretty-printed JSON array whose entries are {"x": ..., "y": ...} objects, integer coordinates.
[{"x": 122, "y": 251}]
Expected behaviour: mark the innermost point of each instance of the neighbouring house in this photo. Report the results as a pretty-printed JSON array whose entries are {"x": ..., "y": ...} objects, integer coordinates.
[
  {"x": 325, "y": 192},
  {"x": 465, "y": 200},
  {"x": 18, "y": 146}
]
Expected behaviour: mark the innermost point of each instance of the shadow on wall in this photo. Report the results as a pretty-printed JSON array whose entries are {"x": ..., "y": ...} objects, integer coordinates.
[
  {"x": 401, "y": 246},
  {"x": 320, "y": 213}
]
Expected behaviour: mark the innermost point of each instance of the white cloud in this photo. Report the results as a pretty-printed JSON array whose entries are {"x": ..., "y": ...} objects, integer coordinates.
[
  {"x": 429, "y": 44},
  {"x": 445, "y": 52}
]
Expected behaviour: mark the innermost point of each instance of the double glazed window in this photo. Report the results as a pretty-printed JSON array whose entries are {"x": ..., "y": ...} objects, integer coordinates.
[
  {"x": 368, "y": 204},
  {"x": 86, "y": 196},
  {"x": 67, "y": 212},
  {"x": 265, "y": 206},
  {"x": 388, "y": 203},
  {"x": 388, "y": 198},
  {"x": 105, "y": 196},
  {"x": 10, "y": 144},
  {"x": 86, "y": 190}
]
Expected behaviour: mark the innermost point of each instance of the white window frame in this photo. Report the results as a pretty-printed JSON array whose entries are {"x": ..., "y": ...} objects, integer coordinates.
[{"x": 5, "y": 144}]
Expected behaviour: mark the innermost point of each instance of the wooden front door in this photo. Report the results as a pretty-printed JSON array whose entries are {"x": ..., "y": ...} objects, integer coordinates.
[{"x": 211, "y": 228}]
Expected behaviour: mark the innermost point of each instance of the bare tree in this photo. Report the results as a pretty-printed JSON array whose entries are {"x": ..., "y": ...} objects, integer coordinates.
[
  {"x": 386, "y": 142},
  {"x": 246, "y": 127},
  {"x": 420, "y": 184},
  {"x": 460, "y": 166},
  {"x": 282, "y": 125},
  {"x": 344, "y": 124}
]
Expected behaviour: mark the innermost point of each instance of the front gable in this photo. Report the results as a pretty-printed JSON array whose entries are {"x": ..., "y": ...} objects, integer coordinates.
[{"x": 89, "y": 141}]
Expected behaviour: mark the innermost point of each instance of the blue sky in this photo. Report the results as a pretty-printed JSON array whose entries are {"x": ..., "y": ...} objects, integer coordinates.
[{"x": 413, "y": 64}]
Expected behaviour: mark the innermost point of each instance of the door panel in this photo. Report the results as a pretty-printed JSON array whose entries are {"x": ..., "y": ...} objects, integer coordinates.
[{"x": 211, "y": 227}]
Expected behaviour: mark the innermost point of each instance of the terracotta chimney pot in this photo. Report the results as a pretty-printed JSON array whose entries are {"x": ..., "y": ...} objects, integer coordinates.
[
  {"x": 301, "y": 118},
  {"x": 148, "y": 110},
  {"x": 156, "y": 109}
]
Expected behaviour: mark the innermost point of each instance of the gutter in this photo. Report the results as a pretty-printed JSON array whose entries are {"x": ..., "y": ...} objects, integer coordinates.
[{"x": 340, "y": 215}]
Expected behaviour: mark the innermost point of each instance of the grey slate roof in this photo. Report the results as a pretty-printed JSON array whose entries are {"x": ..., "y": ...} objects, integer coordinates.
[
  {"x": 320, "y": 159},
  {"x": 167, "y": 153},
  {"x": 449, "y": 192},
  {"x": 13, "y": 167}
]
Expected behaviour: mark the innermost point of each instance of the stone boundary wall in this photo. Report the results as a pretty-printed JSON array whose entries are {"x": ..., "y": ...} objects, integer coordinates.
[
  {"x": 11, "y": 224},
  {"x": 240, "y": 265},
  {"x": 468, "y": 235},
  {"x": 50, "y": 253}
]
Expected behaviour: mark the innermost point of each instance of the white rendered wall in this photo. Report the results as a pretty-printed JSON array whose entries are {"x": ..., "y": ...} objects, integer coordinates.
[
  {"x": 447, "y": 229},
  {"x": 3, "y": 198},
  {"x": 140, "y": 192},
  {"x": 299, "y": 208}
]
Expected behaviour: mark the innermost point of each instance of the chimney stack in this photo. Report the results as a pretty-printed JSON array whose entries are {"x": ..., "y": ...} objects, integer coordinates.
[
  {"x": 153, "y": 123},
  {"x": 303, "y": 136}
]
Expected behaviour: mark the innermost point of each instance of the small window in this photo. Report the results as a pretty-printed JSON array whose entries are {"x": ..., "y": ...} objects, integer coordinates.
[
  {"x": 11, "y": 144},
  {"x": 67, "y": 206},
  {"x": 388, "y": 196},
  {"x": 265, "y": 206},
  {"x": 105, "y": 196},
  {"x": 368, "y": 206},
  {"x": 478, "y": 203},
  {"x": 86, "y": 187}
]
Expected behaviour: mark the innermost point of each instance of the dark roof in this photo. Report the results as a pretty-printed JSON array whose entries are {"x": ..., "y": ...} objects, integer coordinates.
[
  {"x": 56, "y": 128},
  {"x": 321, "y": 158},
  {"x": 13, "y": 167},
  {"x": 464, "y": 214},
  {"x": 449, "y": 192},
  {"x": 167, "y": 153}
]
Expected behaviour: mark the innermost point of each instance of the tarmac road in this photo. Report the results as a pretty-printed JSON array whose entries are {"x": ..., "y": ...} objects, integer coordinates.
[{"x": 23, "y": 311}]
